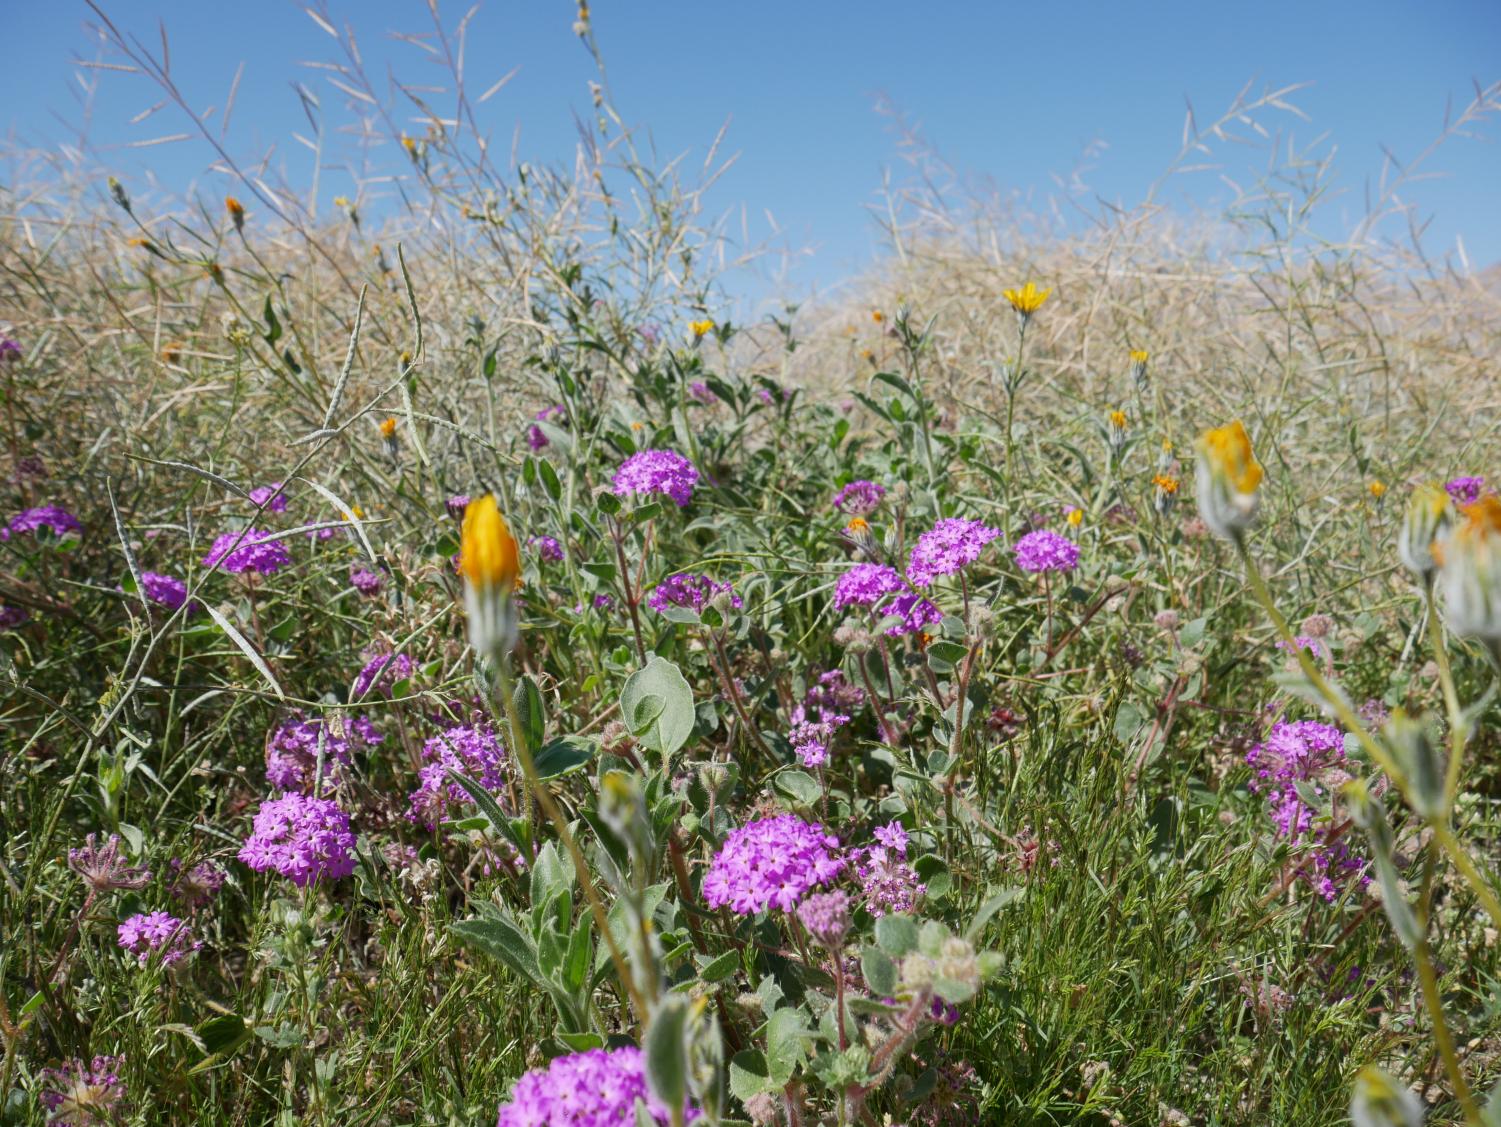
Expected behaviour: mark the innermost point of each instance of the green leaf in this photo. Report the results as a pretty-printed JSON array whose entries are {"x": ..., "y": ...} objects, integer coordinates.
[
  {"x": 273, "y": 326},
  {"x": 581, "y": 1042},
  {"x": 797, "y": 785},
  {"x": 879, "y": 971},
  {"x": 666, "y": 727},
  {"x": 712, "y": 970},
  {"x": 665, "y": 1050},
  {"x": 749, "y": 1075},
  {"x": 529, "y": 712},
  {"x": 501, "y": 939},
  {"x": 563, "y": 755},
  {"x": 549, "y": 876},
  {"x": 896, "y": 934},
  {"x": 550, "y": 480},
  {"x": 786, "y": 1047},
  {"x": 223, "y": 1034}
]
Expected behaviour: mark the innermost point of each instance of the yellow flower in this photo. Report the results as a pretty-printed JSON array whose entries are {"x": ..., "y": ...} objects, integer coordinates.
[
  {"x": 1139, "y": 355},
  {"x": 1118, "y": 420},
  {"x": 488, "y": 556},
  {"x": 877, "y": 316},
  {"x": 408, "y": 144},
  {"x": 1167, "y": 483},
  {"x": 1228, "y": 479},
  {"x": 857, "y": 528},
  {"x": 341, "y": 201},
  {"x": 137, "y": 241},
  {"x": 1377, "y": 489},
  {"x": 171, "y": 353},
  {"x": 491, "y": 566},
  {"x": 700, "y": 329},
  {"x": 388, "y": 428},
  {"x": 1167, "y": 445},
  {"x": 236, "y": 211},
  {"x": 1075, "y": 516},
  {"x": 1027, "y": 300}
]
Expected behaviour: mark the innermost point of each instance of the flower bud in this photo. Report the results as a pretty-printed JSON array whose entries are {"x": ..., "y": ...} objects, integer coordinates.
[
  {"x": 1228, "y": 478},
  {"x": 1471, "y": 577},
  {"x": 1429, "y": 516},
  {"x": 491, "y": 565}
]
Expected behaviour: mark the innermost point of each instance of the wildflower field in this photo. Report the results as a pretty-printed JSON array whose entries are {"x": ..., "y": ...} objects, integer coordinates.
[{"x": 453, "y": 671}]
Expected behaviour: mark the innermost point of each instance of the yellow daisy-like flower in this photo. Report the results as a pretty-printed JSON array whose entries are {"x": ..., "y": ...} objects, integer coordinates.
[
  {"x": 1027, "y": 300},
  {"x": 1377, "y": 489},
  {"x": 388, "y": 428},
  {"x": 1228, "y": 478},
  {"x": 858, "y": 526},
  {"x": 409, "y": 144},
  {"x": 877, "y": 316},
  {"x": 1139, "y": 355},
  {"x": 236, "y": 211},
  {"x": 1167, "y": 483},
  {"x": 1118, "y": 420},
  {"x": 341, "y": 201},
  {"x": 1075, "y": 517},
  {"x": 701, "y": 329}
]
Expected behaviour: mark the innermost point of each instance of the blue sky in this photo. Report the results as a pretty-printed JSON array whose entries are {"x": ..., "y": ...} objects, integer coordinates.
[{"x": 1010, "y": 93}]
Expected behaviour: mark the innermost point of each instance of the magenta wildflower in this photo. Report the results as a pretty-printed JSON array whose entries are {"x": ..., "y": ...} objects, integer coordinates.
[
  {"x": 1465, "y": 490},
  {"x": 381, "y": 672},
  {"x": 10, "y": 350},
  {"x": 598, "y": 1088},
  {"x": 251, "y": 550},
  {"x": 890, "y": 883},
  {"x": 915, "y": 612},
  {"x": 475, "y": 752},
  {"x": 269, "y": 497},
  {"x": 769, "y": 863},
  {"x": 292, "y": 751},
  {"x": 603, "y": 602},
  {"x": 948, "y": 546},
  {"x": 656, "y": 471},
  {"x": 457, "y": 504},
  {"x": 832, "y": 698},
  {"x": 859, "y": 498},
  {"x": 148, "y": 935},
  {"x": 811, "y": 739},
  {"x": 547, "y": 548},
  {"x": 54, "y": 518},
  {"x": 866, "y": 584},
  {"x": 103, "y": 868},
  {"x": 1045, "y": 550},
  {"x": 365, "y": 581},
  {"x": 12, "y": 617},
  {"x": 84, "y": 1095},
  {"x": 303, "y": 839},
  {"x": 195, "y": 886},
  {"x": 826, "y": 915},
  {"x": 165, "y": 590},
  {"x": 702, "y": 392},
  {"x": 691, "y": 592},
  {"x": 536, "y": 437}
]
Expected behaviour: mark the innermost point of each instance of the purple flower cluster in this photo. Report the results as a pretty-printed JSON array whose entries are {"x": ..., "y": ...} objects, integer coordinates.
[
  {"x": 54, "y": 518},
  {"x": 1045, "y": 550},
  {"x": 831, "y": 697},
  {"x": 1313, "y": 754},
  {"x": 83, "y": 1094},
  {"x": 301, "y": 838},
  {"x": 103, "y": 868},
  {"x": 948, "y": 546},
  {"x": 262, "y": 494},
  {"x": 691, "y": 592},
  {"x": 536, "y": 437},
  {"x": 195, "y": 886},
  {"x": 772, "y": 862},
  {"x": 702, "y": 392},
  {"x": 165, "y": 590},
  {"x": 811, "y": 739},
  {"x": 10, "y": 350},
  {"x": 826, "y": 915},
  {"x": 916, "y": 614},
  {"x": 381, "y": 672},
  {"x": 251, "y": 550},
  {"x": 457, "y": 504},
  {"x": 1465, "y": 490},
  {"x": 473, "y": 751},
  {"x": 859, "y": 498},
  {"x": 866, "y": 584},
  {"x": 598, "y": 1088},
  {"x": 12, "y": 617},
  {"x": 292, "y": 752},
  {"x": 547, "y": 548},
  {"x": 365, "y": 581},
  {"x": 891, "y": 884},
  {"x": 656, "y": 471},
  {"x": 157, "y": 934}
]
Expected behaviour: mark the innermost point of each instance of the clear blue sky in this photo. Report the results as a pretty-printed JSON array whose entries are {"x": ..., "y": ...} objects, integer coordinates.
[{"x": 1009, "y": 92}]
